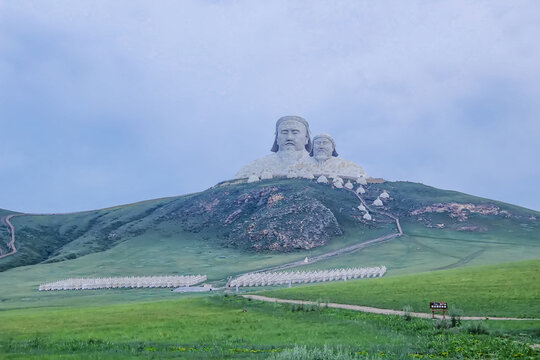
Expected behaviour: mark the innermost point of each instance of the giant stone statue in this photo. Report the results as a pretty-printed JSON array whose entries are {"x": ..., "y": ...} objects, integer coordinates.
[
  {"x": 292, "y": 145},
  {"x": 326, "y": 160},
  {"x": 294, "y": 155}
]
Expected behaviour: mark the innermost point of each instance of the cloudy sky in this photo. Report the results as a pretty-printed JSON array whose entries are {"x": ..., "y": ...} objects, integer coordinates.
[{"x": 110, "y": 102}]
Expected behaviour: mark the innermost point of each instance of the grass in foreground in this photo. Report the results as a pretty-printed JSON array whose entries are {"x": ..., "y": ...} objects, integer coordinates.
[
  {"x": 222, "y": 327},
  {"x": 510, "y": 289}
]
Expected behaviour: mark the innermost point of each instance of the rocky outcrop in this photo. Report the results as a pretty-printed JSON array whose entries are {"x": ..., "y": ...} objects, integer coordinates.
[{"x": 266, "y": 218}]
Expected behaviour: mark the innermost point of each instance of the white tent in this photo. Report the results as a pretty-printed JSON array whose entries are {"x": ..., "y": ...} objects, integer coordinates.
[
  {"x": 378, "y": 202},
  {"x": 322, "y": 179}
]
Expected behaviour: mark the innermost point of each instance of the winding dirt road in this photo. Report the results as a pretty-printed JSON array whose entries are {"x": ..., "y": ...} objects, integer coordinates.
[
  {"x": 374, "y": 310},
  {"x": 11, "y": 243}
]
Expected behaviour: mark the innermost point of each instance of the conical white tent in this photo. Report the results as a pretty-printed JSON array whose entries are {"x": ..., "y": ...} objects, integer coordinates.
[
  {"x": 378, "y": 202},
  {"x": 322, "y": 179}
]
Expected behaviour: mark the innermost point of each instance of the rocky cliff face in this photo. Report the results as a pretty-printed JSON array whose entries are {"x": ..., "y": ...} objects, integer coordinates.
[{"x": 275, "y": 218}]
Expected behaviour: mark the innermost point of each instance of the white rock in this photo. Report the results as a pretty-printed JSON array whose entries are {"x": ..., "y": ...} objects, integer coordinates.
[
  {"x": 360, "y": 190},
  {"x": 378, "y": 202},
  {"x": 367, "y": 216},
  {"x": 266, "y": 175},
  {"x": 253, "y": 178},
  {"x": 322, "y": 179},
  {"x": 384, "y": 195},
  {"x": 336, "y": 178},
  {"x": 361, "y": 180},
  {"x": 338, "y": 184},
  {"x": 361, "y": 207},
  {"x": 349, "y": 185}
]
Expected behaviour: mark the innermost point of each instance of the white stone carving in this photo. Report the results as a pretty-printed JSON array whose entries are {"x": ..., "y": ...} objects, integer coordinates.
[
  {"x": 292, "y": 149},
  {"x": 266, "y": 175},
  {"x": 253, "y": 178}
]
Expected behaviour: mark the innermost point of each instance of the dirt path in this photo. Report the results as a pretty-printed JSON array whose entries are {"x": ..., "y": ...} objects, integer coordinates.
[
  {"x": 374, "y": 310},
  {"x": 11, "y": 243}
]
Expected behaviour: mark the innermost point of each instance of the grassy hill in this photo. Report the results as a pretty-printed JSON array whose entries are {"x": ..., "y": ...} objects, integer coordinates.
[
  {"x": 196, "y": 234},
  {"x": 507, "y": 290}
]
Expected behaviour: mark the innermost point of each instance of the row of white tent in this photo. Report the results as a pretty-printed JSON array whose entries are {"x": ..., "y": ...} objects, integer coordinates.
[
  {"x": 123, "y": 282},
  {"x": 294, "y": 277}
]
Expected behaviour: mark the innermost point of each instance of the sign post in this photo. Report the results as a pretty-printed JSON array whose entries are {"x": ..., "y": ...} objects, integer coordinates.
[{"x": 438, "y": 306}]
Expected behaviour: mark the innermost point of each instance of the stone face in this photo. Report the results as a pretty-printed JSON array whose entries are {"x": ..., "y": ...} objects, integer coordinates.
[{"x": 292, "y": 149}]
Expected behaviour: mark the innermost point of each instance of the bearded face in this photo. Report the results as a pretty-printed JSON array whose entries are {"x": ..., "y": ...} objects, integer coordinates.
[{"x": 322, "y": 149}]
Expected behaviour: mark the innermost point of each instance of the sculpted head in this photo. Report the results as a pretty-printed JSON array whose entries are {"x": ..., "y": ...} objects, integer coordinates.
[
  {"x": 324, "y": 147},
  {"x": 292, "y": 134}
]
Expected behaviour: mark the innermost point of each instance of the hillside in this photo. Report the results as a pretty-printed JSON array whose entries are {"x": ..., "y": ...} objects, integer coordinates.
[
  {"x": 190, "y": 235},
  {"x": 276, "y": 216}
]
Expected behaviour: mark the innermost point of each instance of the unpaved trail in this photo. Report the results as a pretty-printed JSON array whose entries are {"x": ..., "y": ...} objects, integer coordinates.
[
  {"x": 11, "y": 243},
  {"x": 375, "y": 310}
]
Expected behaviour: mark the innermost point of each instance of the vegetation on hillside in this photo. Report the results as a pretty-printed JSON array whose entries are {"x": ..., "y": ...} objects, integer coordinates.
[{"x": 274, "y": 215}]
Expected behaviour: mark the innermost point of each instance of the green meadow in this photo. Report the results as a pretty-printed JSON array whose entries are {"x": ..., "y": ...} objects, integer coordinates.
[
  {"x": 503, "y": 290},
  {"x": 219, "y": 327}
]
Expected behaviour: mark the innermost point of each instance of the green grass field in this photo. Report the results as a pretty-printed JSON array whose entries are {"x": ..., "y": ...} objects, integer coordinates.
[
  {"x": 509, "y": 289},
  {"x": 221, "y": 327}
]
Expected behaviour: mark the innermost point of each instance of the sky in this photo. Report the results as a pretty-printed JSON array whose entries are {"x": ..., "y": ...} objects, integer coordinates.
[{"x": 111, "y": 102}]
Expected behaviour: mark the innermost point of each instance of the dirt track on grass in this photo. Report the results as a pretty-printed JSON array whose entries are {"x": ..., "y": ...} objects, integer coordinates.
[
  {"x": 374, "y": 310},
  {"x": 11, "y": 243}
]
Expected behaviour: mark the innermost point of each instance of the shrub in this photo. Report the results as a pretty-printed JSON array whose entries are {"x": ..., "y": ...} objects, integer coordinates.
[
  {"x": 407, "y": 309},
  {"x": 304, "y": 353},
  {"x": 455, "y": 316},
  {"x": 440, "y": 325},
  {"x": 477, "y": 328}
]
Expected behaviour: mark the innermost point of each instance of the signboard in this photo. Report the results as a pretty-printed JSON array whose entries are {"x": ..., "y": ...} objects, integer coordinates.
[{"x": 438, "y": 306}]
